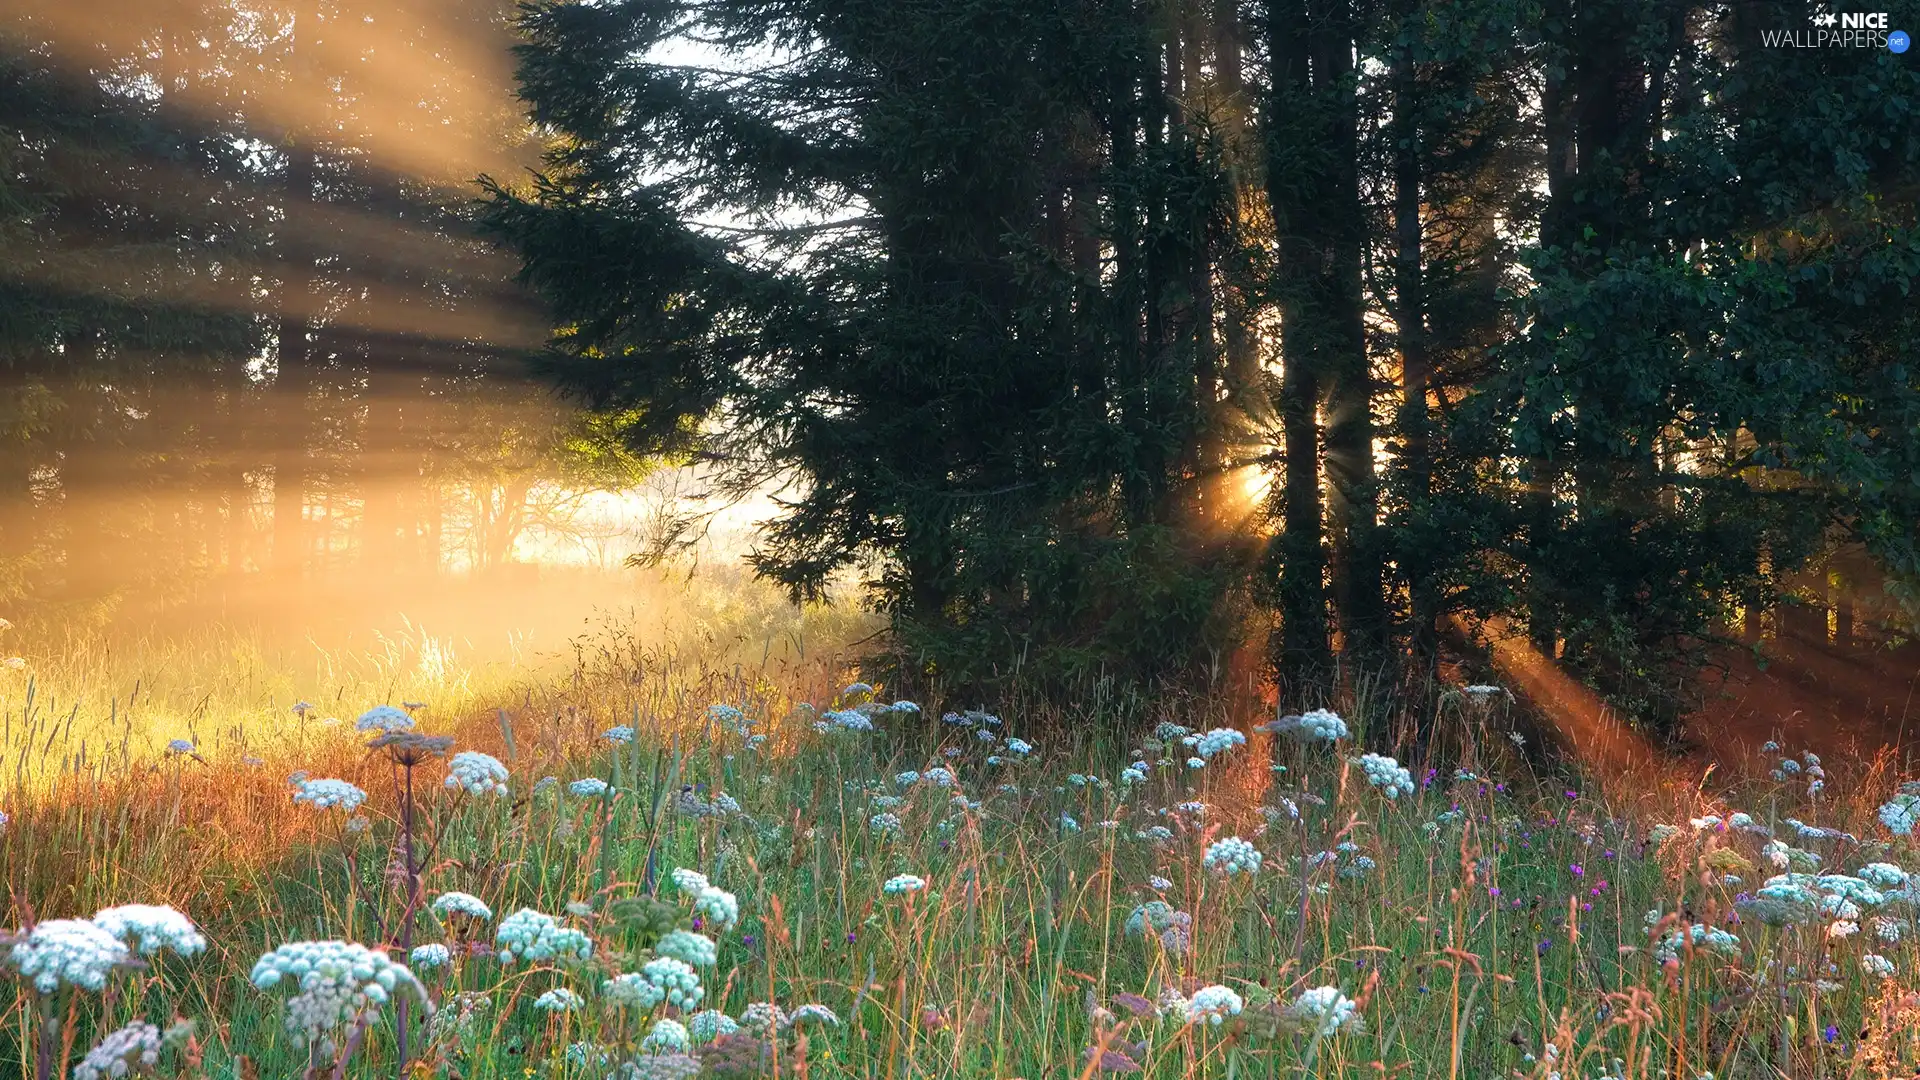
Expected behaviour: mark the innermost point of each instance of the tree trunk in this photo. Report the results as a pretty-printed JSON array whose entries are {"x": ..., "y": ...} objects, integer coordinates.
[
  {"x": 1303, "y": 653},
  {"x": 1353, "y": 498},
  {"x": 1416, "y": 366}
]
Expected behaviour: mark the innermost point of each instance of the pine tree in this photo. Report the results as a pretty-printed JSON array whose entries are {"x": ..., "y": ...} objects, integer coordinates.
[{"x": 986, "y": 350}]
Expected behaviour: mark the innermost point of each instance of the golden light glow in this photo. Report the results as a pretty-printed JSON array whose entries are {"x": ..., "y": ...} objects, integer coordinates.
[
  {"x": 1255, "y": 483},
  {"x": 427, "y": 83},
  {"x": 1584, "y": 722}
]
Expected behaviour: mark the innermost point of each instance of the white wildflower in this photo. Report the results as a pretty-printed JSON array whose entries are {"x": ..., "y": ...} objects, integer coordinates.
[
  {"x": 1322, "y": 1011},
  {"x": 531, "y": 935},
  {"x": 479, "y": 774},
  {"x": 710, "y": 1024},
  {"x": 337, "y": 981},
  {"x": 762, "y": 1018},
  {"x": 148, "y": 928},
  {"x": 813, "y": 1014},
  {"x": 1900, "y": 814},
  {"x": 1231, "y": 856},
  {"x": 327, "y": 794},
  {"x": 134, "y": 1048},
  {"x": 667, "y": 1036},
  {"x": 384, "y": 719},
  {"x": 459, "y": 903},
  {"x": 1388, "y": 775},
  {"x": 1217, "y": 741},
  {"x": 676, "y": 981},
  {"x": 903, "y": 885},
  {"x": 1711, "y": 939},
  {"x": 69, "y": 952},
  {"x": 1213, "y": 1005},
  {"x": 717, "y": 906},
  {"x": 429, "y": 957},
  {"x": 697, "y": 950}
]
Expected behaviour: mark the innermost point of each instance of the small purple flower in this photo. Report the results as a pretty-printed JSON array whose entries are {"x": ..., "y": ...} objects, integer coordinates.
[
  {"x": 1831, "y": 1033},
  {"x": 1586, "y": 906},
  {"x": 1578, "y": 870},
  {"x": 852, "y": 937},
  {"x": 747, "y": 940},
  {"x": 1545, "y": 944},
  {"x": 1573, "y": 794},
  {"x": 1493, "y": 890},
  {"x": 698, "y": 922}
]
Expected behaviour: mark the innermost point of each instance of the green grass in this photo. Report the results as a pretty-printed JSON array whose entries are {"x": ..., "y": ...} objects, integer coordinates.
[{"x": 1016, "y": 961}]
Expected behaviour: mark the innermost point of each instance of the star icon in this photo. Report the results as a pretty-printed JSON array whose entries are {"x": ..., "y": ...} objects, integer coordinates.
[{"x": 1825, "y": 18}]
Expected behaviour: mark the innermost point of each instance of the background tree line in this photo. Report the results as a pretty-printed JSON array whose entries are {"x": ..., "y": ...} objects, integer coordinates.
[
  {"x": 1094, "y": 337},
  {"x": 1093, "y": 332}
]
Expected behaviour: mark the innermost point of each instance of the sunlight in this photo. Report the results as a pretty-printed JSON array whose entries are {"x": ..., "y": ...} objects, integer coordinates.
[
  {"x": 1585, "y": 723},
  {"x": 1255, "y": 483},
  {"x": 430, "y": 93}
]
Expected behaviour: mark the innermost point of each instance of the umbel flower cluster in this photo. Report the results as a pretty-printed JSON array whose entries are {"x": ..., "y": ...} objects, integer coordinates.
[
  {"x": 531, "y": 935},
  {"x": 1317, "y": 726},
  {"x": 903, "y": 885},
  {"x": 149, "y": 928},
  {"x": 1213, "y": 1005},
  {"x": 1700, "y": 936},
  {"x": 384, "y": 719},
  {"x": 82, "y": 953},
  {"x": 68, "y": 952},
  {"x": 692, "y": 949},
  {"x": 674, "y": 981},
  {"x": 136, "y": 1046},
  {"x": 1383, "y": 772},
  {"x": 477, "y": 773},
  {"x": 716, "y": 905},
  {"x": 327, "y": 794},
  {"x": 1232, "y": 856},
  {"x": 1217, "y": 741},
  {"x": 461, "y": 904},
  {"x": 1322, "y": 1011},
  {"x": 337, "y": 981}
]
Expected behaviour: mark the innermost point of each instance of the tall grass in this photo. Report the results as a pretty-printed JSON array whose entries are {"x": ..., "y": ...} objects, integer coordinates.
[{"x": 1508, "y": 924}]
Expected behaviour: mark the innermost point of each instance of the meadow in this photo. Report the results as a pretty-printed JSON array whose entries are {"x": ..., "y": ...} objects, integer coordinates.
[{"x": 654, "y": 863}]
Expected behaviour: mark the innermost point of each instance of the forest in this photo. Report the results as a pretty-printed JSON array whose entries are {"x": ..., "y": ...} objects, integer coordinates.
[
  {"x": 1107, "y": 336},
  {"x": 1001, "y": 538}
]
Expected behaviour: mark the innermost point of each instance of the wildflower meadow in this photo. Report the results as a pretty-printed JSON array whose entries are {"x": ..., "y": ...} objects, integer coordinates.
[{"x": 846, "y": 884}]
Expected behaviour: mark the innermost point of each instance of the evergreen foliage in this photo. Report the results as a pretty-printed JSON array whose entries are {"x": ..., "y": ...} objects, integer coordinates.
[{"x": 1622, "y": 292}]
